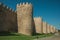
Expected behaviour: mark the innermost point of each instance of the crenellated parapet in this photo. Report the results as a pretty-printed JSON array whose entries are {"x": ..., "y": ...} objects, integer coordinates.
[
  {"x": 5, "y": 7},
  {"x": 38, "y": 24},
  {"x": 21, "y": 20},
  {"x": 24, "y": 4},
  {"x": 24, "y": 7},
  {"x": 25, "y": 18},
  {"x": 8, "y": 18}
]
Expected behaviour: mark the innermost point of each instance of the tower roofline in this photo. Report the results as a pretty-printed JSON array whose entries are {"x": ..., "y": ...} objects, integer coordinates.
[{"x": 24, "y": 3}]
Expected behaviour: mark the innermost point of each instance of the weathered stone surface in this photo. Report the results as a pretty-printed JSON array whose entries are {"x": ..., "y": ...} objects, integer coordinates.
[
  {"x": 51, "y": 28},
  {"x": 22, "y": 20},
  {"x": 48, "y": 28},
  {"x": 25, "y": 19},
  {"x": 44, "y": 27},
  {"x": 38, "y": 24},
  {"x": 8, "y": 19},
  {"x": 54, "y": 29}
]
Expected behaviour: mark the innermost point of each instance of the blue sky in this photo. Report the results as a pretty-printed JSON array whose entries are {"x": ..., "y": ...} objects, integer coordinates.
[{"x": 49, "y": 10}]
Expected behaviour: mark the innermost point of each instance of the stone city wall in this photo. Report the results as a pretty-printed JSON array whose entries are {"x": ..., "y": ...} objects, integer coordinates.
[
  {"x": 51, "y": 28},
  {"x": 48, "y": 28},
  {"x": 54, "y": 29},
  {"x": 38, "y": 24},
  {"x": 24, "y": 18},
  {"x": 8, "y": 18},
  {"x": 44, "y": 27}
]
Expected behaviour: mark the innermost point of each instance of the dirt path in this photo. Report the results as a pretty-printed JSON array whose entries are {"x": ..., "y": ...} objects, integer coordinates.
[{"x": 50, "y": 38}]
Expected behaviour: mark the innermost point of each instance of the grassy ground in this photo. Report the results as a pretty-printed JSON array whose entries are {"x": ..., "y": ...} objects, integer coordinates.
[{"x": 16, "y": 36}]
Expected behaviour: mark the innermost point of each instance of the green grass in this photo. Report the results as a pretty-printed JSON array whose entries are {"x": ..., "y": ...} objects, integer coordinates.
[{"x": 17, "y": 36}]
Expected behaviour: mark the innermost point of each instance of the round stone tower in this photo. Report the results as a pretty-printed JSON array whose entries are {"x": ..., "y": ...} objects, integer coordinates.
[
  {"x": 38, "y": 24},
  {"x": 44, "y": 27},
  {"x": 24, "y": 18}
]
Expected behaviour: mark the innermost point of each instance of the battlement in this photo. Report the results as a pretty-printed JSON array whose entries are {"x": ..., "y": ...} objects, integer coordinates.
[
  {"x": 6, "y": 7},
  {"x": 24, "y": 4},
  {"x": 38, "y": 18}
]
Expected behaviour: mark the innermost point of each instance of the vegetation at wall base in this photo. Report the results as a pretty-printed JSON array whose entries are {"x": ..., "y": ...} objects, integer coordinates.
[{"x": 17, "y": 36}]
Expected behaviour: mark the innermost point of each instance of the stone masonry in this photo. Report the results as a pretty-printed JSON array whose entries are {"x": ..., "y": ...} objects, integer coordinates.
[
  {"x": 8, "y": 19},
  {"x": 24, "y": 18},
  {"x": 44, "y": 27},
  {"x": 48, "y": 28},
  {"x": 38, "y": 24},
  {"x": 51, "y": 28}
]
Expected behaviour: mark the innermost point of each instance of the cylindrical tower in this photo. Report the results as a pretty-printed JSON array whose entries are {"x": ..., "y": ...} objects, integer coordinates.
[
  {"x": 44, "y": 27},
  {"x": 54, "y": 29},
  {"x": 48, "y": 28},
  {"x": 24, "y": 18},
  {"x": 38, "y": 24},
  {"x": 51, "y": 28}
]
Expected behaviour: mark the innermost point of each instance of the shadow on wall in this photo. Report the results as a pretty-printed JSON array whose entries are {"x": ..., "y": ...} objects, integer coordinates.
[
  {"x": 8, "y": 19},
  {"x": 34, "y": 29}
]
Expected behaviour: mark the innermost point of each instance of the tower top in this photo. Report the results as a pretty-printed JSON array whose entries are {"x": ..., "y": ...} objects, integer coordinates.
[{"x": 24, "y": 3}]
